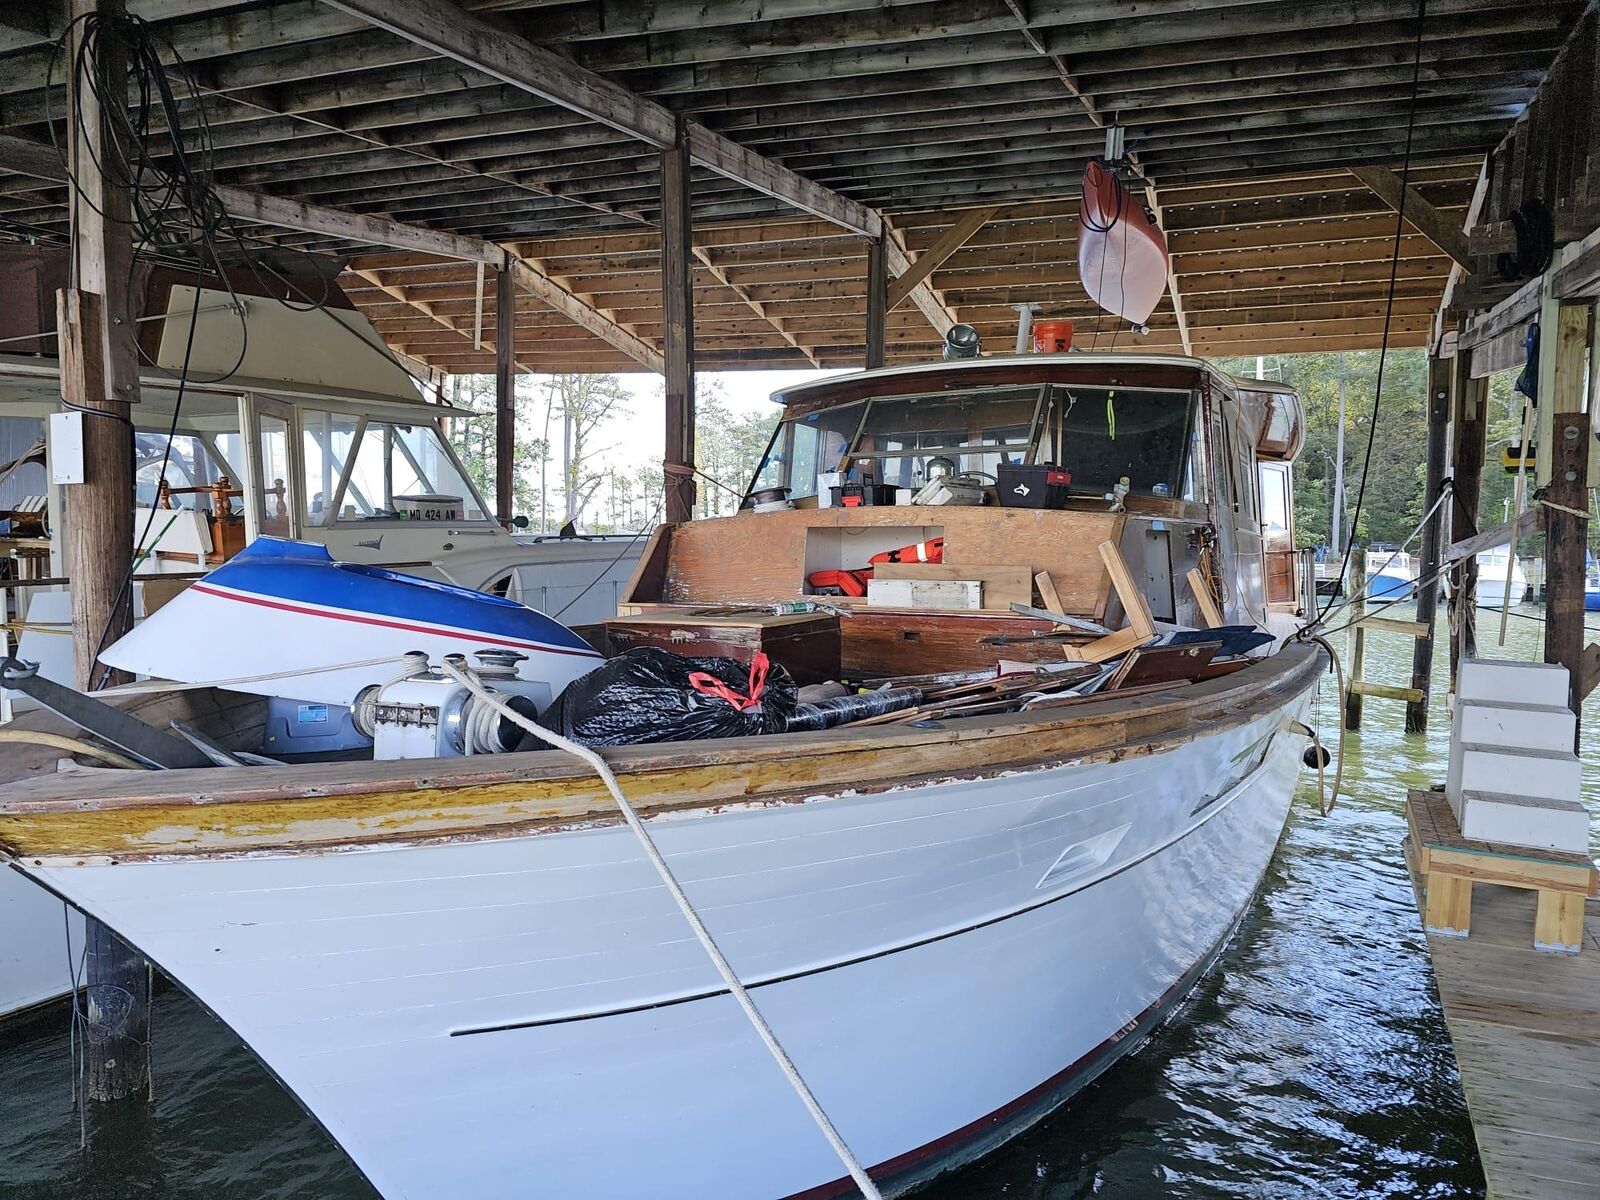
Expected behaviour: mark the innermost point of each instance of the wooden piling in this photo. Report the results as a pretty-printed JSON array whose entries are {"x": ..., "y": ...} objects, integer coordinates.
[
  {"x": 100, "y": 379},
  {"x": 1566, "y": 538},
  {"x": 505, "y": 395},
  {"x": 677, "y": 307},
  {"x": 877, "y": 301},
  {"x": 1467, "y": 441},
  {"x": 1432, "y": 542},
  {"x": 1358, "y": 637}
]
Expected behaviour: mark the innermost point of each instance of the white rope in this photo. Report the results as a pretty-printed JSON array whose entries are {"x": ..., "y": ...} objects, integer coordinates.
[
  {"x": 707, "y": 942},
  {"x": 1445, "y": 490}
]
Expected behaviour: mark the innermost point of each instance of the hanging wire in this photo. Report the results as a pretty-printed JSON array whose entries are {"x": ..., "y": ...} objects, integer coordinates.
[{"x": 1388, "y": 309}]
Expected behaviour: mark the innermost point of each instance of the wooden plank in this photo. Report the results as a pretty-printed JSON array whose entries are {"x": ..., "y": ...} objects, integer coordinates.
[
  {"x": 1362, "y": 687},
  {"x": 1417, "y": 212},
  {"x": 931, "y": 259},
  {"x": 1201, "y": 587},
  {"x": 1105, "y": 649},
  {"x": 1002, "y": 586},
  {"x": 1134, "y": 605},
  {"x": 1413, "y": 629},
  {"x": 1047, "y": 593}
]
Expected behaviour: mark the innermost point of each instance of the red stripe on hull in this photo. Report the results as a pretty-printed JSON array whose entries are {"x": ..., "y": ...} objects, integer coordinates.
[{"x": 431, "y": 630}]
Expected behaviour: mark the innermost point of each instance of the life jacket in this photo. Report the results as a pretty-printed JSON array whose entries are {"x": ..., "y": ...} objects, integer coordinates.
[{"x": 930, "y": 551}]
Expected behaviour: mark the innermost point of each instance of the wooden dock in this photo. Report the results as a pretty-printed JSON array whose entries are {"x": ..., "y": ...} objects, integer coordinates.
[{"x": 1525, "y": 1025}]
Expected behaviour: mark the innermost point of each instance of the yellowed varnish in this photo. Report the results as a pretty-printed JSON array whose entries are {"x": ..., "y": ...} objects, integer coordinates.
[{"x": 534, "y": 795}]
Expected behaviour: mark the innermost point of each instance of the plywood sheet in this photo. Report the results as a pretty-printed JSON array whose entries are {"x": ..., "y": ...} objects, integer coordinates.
[{"x": 762, "y": 556}]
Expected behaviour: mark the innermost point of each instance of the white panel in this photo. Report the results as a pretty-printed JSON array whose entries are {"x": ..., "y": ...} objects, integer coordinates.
[
  {"x": 1505, "y": 682},
  {"x": 335, "y": 348},
  {"x": 1524, "y": 821}
]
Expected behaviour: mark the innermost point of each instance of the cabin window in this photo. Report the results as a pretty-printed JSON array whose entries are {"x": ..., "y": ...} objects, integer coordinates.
[
  {"x": 389, "y": 471},
  {"x": 1275, "y": 496},
  {"x": 1107, "y": 433},
  {"x": 802, "y": 447},
  {"x": 976, "y": 432},
  {"x": 194, "y": 462}
]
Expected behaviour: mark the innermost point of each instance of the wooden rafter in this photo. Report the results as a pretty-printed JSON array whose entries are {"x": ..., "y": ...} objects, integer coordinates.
[
  {"x": 448, "y": 30},
  {"x": 26, "y": 157},
  {"x": 761, "y": 310},
  {"x": 1418, "y": 213},
  {"x": 400, "y": 293},
  {"x": 931, "y": 259},
  {"x": 532, "y": 277}
]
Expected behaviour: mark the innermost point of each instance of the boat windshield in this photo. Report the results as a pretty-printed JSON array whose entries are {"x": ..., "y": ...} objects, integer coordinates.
[
  {"x": 364, "y": 469},
  {"x": 1099, "y": 433},
  {"x": 193, "y": 461}
]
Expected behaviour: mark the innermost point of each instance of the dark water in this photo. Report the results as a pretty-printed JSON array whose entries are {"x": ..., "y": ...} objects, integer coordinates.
[{"x": 1312, "y": 1061}]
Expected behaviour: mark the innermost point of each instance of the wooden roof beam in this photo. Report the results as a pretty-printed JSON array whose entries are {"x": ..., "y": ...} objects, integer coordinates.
[
  {"x": 41, "y": 162},
  {"x": 928, "y": 302},
  {"x": 1418, "y": 213},
  {"x": 931, "y": 259},
  {"x": 448, "y": 30}
]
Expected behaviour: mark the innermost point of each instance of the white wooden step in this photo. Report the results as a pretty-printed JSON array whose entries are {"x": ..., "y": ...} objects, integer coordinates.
[
  {"x": 1505, "y": 682},
  {"x": 1506, "y": 727},
  {"x": 1526, "y": 821},
  {"x": 1537, "y": 774}
]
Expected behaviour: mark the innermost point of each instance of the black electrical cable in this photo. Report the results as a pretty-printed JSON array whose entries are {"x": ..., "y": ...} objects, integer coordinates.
[{"x": 1388, "y": 310}]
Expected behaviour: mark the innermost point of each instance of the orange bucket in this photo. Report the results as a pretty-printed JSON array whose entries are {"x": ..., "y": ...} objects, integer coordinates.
[{"x": 1052, "y": 337}]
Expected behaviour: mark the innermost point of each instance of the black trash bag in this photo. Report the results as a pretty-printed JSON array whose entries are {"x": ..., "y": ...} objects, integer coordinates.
[{"x": 652, "y": 695}]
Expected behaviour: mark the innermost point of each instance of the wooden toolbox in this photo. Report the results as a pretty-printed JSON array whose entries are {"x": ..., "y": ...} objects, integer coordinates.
[{"x": 807, "y": 644}]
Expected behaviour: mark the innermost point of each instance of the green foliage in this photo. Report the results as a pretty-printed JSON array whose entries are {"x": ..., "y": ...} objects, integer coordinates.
[
  {"x": 728, "y": 447},
  {"x": 1392, "y": 505},
  {"x": 472, "y": 438}
]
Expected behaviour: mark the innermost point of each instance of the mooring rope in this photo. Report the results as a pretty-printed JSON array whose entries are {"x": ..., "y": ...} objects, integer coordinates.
[{"x": 685, "y": 906}]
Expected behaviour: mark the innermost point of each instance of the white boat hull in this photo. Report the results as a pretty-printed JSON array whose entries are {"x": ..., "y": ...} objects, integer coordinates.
[{"x": 529, "y": 1015}]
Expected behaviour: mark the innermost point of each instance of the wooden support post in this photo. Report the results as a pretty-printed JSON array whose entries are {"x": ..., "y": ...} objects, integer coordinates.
[
  {"x": 1566, "y": 538},
  {"x": 677, "y": 307},
  {"x": 877, "y": 301},
  {"x": 100, "y": 378},
  {"x": 1358, "y": 639},
  {"x": 1467, "y": 441},
  {"x": 1432, "y": 541},
  {"x": 505, "y": 396}
]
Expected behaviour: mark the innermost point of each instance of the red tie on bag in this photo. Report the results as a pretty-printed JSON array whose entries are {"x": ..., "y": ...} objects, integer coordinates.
[{"x": 709, "y": 685}]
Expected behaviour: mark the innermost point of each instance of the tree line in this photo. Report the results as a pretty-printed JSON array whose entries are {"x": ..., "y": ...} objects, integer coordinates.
[{"x": 566, "y": 468}]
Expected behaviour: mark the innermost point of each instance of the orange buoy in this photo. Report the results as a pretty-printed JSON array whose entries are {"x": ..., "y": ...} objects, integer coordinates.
[
  {"x": 1052, "y": 337},
  {"x": 1122, "y": 253}
]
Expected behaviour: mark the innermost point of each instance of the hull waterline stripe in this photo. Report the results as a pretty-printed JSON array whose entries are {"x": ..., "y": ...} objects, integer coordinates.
[
  {"x": 1223, "y": 801},
  {"x": 1051, "y": 1093},
  {"x": 431, "y": 630}
]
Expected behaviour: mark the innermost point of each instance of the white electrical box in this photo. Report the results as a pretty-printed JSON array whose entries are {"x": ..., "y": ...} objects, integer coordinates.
[{"x": 66, "y": 447}]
